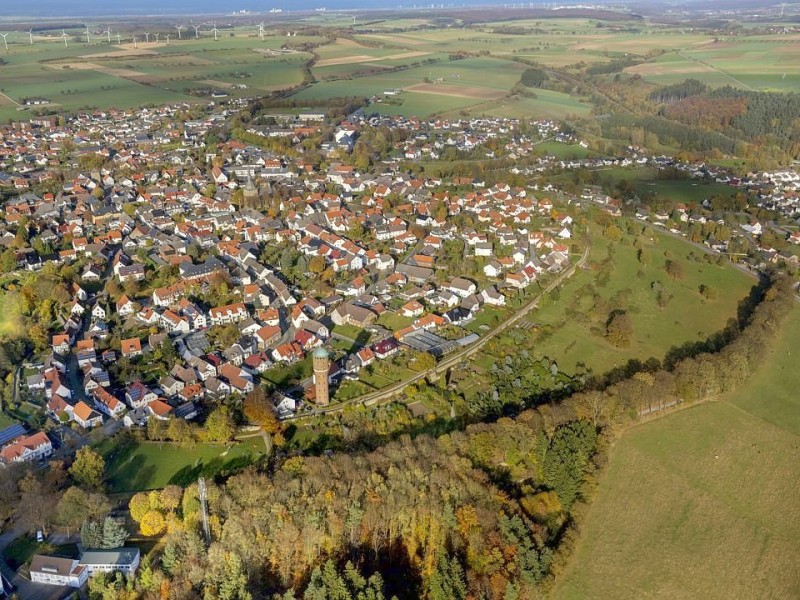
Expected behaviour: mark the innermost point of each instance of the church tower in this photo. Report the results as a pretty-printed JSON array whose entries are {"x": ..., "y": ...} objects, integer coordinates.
[{"x": 250, "y": 195}]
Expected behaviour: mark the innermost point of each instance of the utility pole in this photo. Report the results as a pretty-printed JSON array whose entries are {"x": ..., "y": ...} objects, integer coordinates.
[{"x": 201, "y": 487}]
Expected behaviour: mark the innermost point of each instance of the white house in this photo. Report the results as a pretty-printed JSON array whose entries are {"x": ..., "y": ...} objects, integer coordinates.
[
  {"x": 53, "y": 570},
  {"x": 27, "y": 449}
]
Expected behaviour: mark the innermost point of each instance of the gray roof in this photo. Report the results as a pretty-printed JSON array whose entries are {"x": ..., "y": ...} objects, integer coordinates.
[
  {"x": 51, "y": 564},
  {"x": 121, "y": 556}
]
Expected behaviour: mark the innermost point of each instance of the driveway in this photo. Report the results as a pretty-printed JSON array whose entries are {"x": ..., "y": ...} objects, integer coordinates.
[{"x": 23, "y": 588}]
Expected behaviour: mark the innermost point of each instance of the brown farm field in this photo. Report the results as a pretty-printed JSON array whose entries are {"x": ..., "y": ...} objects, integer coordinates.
[{"x": 458, "y": 91}]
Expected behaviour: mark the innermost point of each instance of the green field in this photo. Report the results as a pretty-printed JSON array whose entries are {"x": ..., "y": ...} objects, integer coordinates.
[
  {"x": 105, "y": 75},
  {"x": 570, "y": 328},
  {"x": 457, "y": 85},
  {"x": 547, "y": 105},
  {"x": 152, "y": 465},
  {"x": 755, "y": 62},
  {"x": 699, "y": 504}
]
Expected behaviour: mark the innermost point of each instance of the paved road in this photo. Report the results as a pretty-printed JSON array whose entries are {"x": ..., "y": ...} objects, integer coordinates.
[{"x": 393, "y": 390}]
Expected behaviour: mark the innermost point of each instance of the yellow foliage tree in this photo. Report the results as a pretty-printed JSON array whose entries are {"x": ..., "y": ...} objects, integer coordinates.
[{"x": 153, "y": 523}]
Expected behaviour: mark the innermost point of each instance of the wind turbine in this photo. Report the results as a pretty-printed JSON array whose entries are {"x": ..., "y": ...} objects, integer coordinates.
[
  {"x": 215, "y": 30},
  {"x": 147, "y": 37},
  {"x": 119, "y": 38},
  {"x": 167, "y": 39},
  {"x": 108, "y": 33},
  {"x": 354, "y": 20},
  {"x": 261, "y": 31},
  {"x": 134, "y": 43},
  {"x": 87, "y": 35},
  {"x": 30, "y": 33},
  {"x": 196, "y": 31},
  {"x": 179, "y": 28},
  {"x": 5, "y": 40},
  {"x": 156, "y": 34},
  {"x": 64, "y": 36}
]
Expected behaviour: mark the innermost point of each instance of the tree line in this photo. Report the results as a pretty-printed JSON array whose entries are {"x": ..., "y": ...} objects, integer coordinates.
[{"x": 488, "y": 512}]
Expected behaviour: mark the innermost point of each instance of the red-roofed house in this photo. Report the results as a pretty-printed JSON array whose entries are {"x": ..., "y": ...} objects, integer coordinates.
[
  {"x": 131, "y": 347},
  {"x": 27, "y": 448}
]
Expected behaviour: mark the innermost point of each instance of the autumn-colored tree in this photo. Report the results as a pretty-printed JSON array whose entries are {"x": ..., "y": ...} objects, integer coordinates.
[
  {"x": 153, "y": 523},
  {"x": 219, "y": 425},
  {"x": 259, "y": 410},
  {"x": 316, "y": 265},
  {"x": 139, "y": 506},
  {"x": 619, "y": 329},
  {"x": 89, "y": 468},
  {"x": 171, "y": 497},
  {"x": 674, "y": 269}
]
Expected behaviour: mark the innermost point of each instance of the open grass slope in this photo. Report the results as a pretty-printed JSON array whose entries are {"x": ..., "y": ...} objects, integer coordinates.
[
  {"x": 573, "y": 340},
  {"x": 699, "y": 504},
  {"x": 772, "y": 393},
  {"x": 10, "y": 318},
  {"x": 151, "y": 465}
]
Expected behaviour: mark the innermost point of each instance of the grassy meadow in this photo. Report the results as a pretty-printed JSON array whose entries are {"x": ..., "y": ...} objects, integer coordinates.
[
  {"x": 697, "y": 504},
  {"x": 152, "y": 465},
  {"x": 569, "y": 328}
]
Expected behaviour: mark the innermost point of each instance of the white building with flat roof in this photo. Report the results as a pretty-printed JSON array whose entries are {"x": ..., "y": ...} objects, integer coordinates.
[{"x": 125, "y": 560}]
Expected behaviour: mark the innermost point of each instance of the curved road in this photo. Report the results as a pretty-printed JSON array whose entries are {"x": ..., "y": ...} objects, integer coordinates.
[{"x": 452, "y": 360}]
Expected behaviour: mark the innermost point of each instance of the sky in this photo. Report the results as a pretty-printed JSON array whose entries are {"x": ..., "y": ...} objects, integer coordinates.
[{"x": 73, "y": 8}]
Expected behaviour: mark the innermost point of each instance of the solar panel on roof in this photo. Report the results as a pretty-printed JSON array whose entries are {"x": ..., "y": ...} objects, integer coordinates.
[{"x": 10, "y": 433}]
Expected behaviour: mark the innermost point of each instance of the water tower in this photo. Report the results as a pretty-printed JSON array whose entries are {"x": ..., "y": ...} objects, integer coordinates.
[{"x": 322, "y": 365}]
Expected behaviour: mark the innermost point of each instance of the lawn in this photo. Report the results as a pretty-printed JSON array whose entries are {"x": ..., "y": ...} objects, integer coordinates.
[
  {"x": 22, "y": 549},
  {"x": 698, "y": 504},
  {"x": 6, "y": 420},
  {"x": 349, "y": 331},
  {"x": 284, "y": 375},
  {"x": 152, "y": 465},
  {"x": 394, "y": 321}
]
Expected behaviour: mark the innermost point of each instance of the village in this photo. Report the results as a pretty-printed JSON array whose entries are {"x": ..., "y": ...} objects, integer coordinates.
[
  {"x": 183, "y": 272},
  {"x": 234, "y": 261}
]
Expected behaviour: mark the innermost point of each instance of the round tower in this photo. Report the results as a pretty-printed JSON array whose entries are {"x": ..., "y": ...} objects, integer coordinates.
[
  {"x": 250, "y": 195},
  {"x": 322, "y": 365}
]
